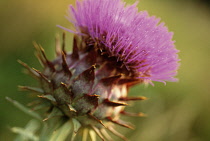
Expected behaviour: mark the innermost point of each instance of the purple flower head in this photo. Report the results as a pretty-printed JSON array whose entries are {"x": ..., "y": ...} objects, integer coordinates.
[
  {"x": 86, "y": 91},
  {"x": 139, "y": 41}
]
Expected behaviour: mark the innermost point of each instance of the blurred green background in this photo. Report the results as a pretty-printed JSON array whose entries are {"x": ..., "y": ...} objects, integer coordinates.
[{"x": 176, "y": 112}]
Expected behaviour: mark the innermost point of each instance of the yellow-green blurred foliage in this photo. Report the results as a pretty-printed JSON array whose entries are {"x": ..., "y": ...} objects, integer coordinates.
[{"x": 176, "y": 112}]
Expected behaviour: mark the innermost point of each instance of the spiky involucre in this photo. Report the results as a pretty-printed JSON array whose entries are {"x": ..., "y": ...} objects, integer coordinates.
[
  {"x": 87, "y": 86},
  {"x": 144, "y": 46},
  {"x": 114, "y": 48}
]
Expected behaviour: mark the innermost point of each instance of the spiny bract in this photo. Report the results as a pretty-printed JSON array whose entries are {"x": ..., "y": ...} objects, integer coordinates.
[{"x": 85, "y": 86}]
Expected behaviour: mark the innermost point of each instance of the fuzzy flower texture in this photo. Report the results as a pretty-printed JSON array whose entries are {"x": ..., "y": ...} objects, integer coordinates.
[
  {"x": 144, "y": 46},
  {"x": 86, "y": 91}
]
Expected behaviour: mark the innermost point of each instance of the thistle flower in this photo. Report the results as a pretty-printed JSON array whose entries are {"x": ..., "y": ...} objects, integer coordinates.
[
  {"x": 114, "y": 48},
  {"x": 144, "y": 47}
]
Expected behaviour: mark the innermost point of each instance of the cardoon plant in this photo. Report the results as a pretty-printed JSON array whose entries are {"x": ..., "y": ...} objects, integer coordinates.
[{"x": 83, "y": 93}]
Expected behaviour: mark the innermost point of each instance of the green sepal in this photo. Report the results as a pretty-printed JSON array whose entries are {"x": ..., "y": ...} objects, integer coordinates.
[
  {"x": 24, "y": 109},
  {"x": 54, "y": 113},
  {"x": 76, "y": 125},
  {"x": 41, "y": 106},
  {"x": 48, "y": 97},
  {"x": 27, "y": 133},
  {"x": 62, "y": 133},
  {"x": 50, "y": 126},
  {"x": 92, "y": 135},
  {"x": 85, "y": 134},
  {"x": 33, "y": 89}
]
